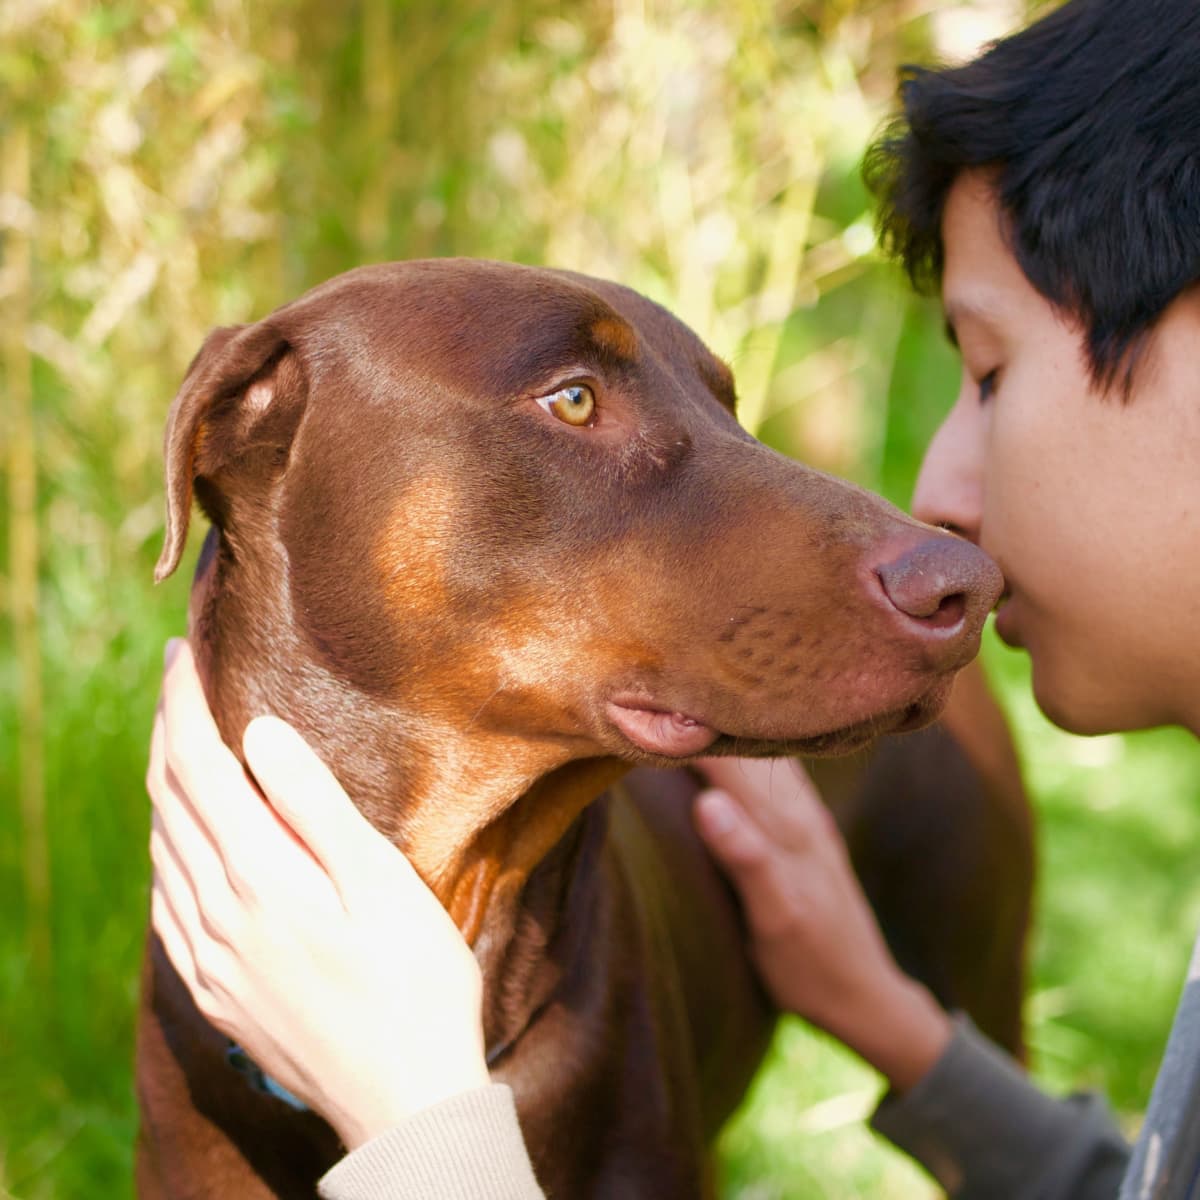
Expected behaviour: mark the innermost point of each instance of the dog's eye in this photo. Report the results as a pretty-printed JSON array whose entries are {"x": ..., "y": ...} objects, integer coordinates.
[{"x": 574, "y": 404}]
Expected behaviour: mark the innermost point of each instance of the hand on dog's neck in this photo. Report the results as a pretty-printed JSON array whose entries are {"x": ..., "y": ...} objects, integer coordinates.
[{"x": 475, "y": 809}]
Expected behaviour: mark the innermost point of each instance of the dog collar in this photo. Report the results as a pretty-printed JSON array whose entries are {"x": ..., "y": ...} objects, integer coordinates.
[{"x": 258, "y": 1079}]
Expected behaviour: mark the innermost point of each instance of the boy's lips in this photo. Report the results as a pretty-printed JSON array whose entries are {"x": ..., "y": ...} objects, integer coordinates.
[{"x": 1006, "y": 623}]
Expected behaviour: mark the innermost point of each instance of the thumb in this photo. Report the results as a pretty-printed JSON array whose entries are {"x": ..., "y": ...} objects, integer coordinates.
[
  {"x": 732, "y": 836},
  {"x": 749, "y": 857},
  {"x": 310, "y": 801}
]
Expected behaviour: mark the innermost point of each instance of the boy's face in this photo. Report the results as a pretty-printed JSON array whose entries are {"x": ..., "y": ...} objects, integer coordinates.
[{"x": 1089, "y": 503}]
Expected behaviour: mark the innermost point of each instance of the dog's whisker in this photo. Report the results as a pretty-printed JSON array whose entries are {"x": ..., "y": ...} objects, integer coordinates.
[{"x": 479, "y": 710}]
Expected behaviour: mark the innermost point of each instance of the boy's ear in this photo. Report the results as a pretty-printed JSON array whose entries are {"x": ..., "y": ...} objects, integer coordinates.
[{"x": 244, "y": 392}]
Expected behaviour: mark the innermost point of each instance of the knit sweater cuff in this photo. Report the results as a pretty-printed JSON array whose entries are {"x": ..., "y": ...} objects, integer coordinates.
[
  {"x": 980, "y": 1126},
  {"x": 465, "y": 1148}
]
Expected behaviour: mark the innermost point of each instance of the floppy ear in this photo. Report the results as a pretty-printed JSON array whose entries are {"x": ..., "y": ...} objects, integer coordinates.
[{"x": 243, "y": 393}]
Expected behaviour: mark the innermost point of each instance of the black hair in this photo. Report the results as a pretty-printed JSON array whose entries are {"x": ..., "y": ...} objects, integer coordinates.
[{"x": 1090, "y": 122}]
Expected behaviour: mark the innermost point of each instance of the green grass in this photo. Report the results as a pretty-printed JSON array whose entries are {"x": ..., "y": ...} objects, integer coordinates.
[
  {"x": 67, "y": 1117},
  {"x": 323, "y": 173},
  {"x": 1117, "y": 906},
  {"x": 1117, "y": 901}
]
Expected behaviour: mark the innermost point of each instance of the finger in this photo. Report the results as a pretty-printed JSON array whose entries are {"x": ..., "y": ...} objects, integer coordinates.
[
  {"x": 804, "y": 805},
  {"x": 173, "y": 937},
  {"x": 729, "y": 832},
  {"x": 175, "y": 821},
  {"x": 173, "y": 915},
  {"x": 731, "y": 773},
  {"x": 156, "y": 766},
  {"x": 761, "y": 776},
  {"x": 170, "y": 932},
  {"x": 192, "y": 878},
  {"x": 776, "y": 792},
  {"x": 747, "y": 855},
  {"x": 188, "y": 720},
  {"x": 176, "y": 836},
  {"x": 311, "y": 802},
  {"x": 202, "y": 772}
]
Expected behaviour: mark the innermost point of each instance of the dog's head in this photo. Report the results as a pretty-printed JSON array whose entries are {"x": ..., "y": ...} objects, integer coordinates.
[{"x": 514, "y": 508}]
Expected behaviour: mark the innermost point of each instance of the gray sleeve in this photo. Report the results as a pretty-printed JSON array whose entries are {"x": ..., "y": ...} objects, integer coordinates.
[
  {"x": 985, "y": 1132},
  {"x": 466, "y": 1148},
  {"x": 1166, "y": 1158}
]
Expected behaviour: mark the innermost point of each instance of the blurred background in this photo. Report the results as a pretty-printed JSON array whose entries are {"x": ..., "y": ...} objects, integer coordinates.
[{"x": 169, "y": 167}]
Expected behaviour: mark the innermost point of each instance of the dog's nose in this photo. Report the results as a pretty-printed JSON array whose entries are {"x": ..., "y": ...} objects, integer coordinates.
[{"x": 942, "y": 584}]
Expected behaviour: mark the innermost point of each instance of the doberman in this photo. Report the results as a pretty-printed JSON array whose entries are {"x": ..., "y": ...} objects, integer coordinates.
[{"x": 489, "y": 536}]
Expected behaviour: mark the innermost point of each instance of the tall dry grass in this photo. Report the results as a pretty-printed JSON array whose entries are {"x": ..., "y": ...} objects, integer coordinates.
[{"x": 171, "y": 166}]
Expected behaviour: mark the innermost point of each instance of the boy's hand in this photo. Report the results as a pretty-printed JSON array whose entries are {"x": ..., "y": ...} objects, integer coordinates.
[
  {"x": 813, "y": 935},
  {"x": 301, "y": 932}
]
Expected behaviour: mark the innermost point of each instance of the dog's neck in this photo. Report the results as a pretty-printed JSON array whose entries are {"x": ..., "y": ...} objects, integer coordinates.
[{"x": 478, "y": 812}]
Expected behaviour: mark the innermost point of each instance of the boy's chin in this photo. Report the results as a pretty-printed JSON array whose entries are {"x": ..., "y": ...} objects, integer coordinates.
[{"x": 1085, "y": 706}]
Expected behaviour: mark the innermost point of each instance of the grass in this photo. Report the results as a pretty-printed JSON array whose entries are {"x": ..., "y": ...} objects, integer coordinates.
[
  {"x": 1118, "y": 903},
  {"x": 66, "y": 1104},
  {"x": 232, "y": 156}
]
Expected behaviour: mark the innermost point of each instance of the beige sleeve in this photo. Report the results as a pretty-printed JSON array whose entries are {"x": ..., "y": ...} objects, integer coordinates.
[{"x": 466, "y": 1148}]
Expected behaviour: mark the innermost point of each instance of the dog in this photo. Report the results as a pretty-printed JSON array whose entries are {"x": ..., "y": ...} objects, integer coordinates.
[{"x": 490, "y": 536}]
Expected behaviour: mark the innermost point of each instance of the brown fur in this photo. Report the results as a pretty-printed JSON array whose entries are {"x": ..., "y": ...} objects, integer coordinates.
[{"x": 443, "y": 587}]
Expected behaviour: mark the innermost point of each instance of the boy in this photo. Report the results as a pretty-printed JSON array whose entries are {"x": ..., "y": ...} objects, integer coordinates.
[{"x": 1052, "y": 189}]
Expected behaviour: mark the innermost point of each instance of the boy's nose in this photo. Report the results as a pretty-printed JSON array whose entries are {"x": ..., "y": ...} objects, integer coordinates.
[{"x": 949, "y": 489}]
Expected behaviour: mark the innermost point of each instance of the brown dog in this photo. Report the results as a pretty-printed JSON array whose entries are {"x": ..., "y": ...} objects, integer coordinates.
[{"x": 488, "y": 536}]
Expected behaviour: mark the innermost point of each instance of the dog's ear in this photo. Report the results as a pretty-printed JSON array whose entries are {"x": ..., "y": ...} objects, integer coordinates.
[{"x": 243, "y": 394}]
